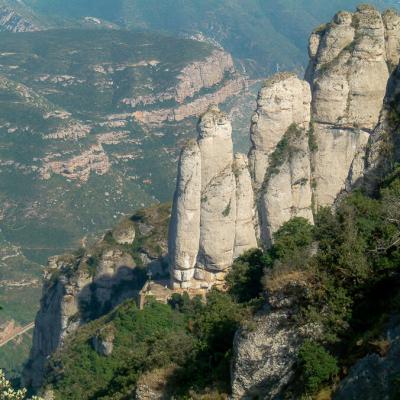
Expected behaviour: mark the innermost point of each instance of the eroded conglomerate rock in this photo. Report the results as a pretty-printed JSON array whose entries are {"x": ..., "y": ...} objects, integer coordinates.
[
  {"x": 280, "y": 155},
  {"x": 284, "y": 100},
  {"x": 349, "y": 69},
  {"x": 353, "y": 104},
  {"x": 286, "y": 192},
  {"x": 265, "y": 355},
  {"x": 245, "y": 235},
  {"x": 184, "y": 229},
  {"x": 205, "y": 219},
  {"x": 76, "y": 289}
]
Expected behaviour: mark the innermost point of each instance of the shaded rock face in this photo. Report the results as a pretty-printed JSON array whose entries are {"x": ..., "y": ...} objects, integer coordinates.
[
  {"x": 374, "y": 377},
  {"x": 207, "y": 228},
  {"x": 74, "y": 293}
]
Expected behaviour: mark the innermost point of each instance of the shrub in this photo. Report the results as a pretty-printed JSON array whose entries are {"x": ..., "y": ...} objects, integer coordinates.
[
  {"x": 245, "y": 277},
  {"x": 316, "y": 365},
  {"x": 292, "y": 241}
]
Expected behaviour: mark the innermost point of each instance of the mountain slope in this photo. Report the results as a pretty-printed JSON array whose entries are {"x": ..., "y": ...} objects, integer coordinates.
[
  {"x": 264, "y": 34},
  {"x": 90, "y": 125}
]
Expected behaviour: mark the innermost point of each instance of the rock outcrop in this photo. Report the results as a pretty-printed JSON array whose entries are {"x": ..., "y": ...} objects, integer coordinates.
[
  {"x": 375, "y": 376},
  {"x": 283, "y": 101},
  {"x": 103, "y": 341},
  {"x": 12, "y": 21},
  {"x": 81, "y": 287},
  {"x": 339, "y": 123},
  {"x": 309, "y": 148},
  {"x": 207, "y": 228},
  {"x": 280, "y": 154},
  {"x": 94, "y": 160},
  {"x": 349, "y": 69},
  {"x": 264, "y": 357},
  {"x": 75, "y": 290}
]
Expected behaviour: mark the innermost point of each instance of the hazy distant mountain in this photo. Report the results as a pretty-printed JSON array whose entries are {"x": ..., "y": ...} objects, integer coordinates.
[{"x": 265, "y": 34}]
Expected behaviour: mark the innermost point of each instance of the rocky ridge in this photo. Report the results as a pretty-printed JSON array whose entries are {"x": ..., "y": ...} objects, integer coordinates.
[{"x": 12, "y": 21}]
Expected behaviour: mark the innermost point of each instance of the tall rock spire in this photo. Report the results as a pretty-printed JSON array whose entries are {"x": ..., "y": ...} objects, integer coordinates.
[
  {"x": 207, "y": 229},
  {"x": 184, "y": 229},
  {"x": 280, "y": 156}
]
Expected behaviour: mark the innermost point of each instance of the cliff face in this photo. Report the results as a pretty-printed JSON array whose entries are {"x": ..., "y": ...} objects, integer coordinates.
[
  {"x": 207, "y": 227},
  {"x": 80, "y": 288},
  {"x": 337, "y": 118},
  {"x": 374, "y": 376},
  {"x": 300, "y": 164},
  {"x": 12, "y": 21},
  {"x": 311, "y": 141},
  {"x": 72, "y": 288},
  {"x": 264, "y": 357},
  {"x": 280, "y": 156},
  {"x": 349, "y": 69}
]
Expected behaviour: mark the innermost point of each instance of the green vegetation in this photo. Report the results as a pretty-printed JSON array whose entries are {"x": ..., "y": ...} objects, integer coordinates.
[
  {"x": 345, "y": 269},
  {"x": 245, "y": 277},
  {"x": 312, "y": 141},
  {"x": 50, "y": 81},
  {"x": 341, "y": 273},
  {"x": 317, "y": 366},
  {"x": 284, "y": 150},
  {"x": 227, "y": 210},
  {"x": 192, "y": 337}
]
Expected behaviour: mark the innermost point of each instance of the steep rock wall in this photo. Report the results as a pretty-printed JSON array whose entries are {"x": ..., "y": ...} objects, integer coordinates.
[{"x": 349, "y": 68}]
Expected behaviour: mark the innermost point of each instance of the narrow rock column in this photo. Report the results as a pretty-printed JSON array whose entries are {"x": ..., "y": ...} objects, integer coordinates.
[
  {"x": 215, "y": 143},
  {"x": 245, "y": 236},
  {"x": 184, "y": 230},
  {"x": 284, "y": 100},
  {"x": 218, "y": 198},
  {"x": 212, "y": 216}
]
